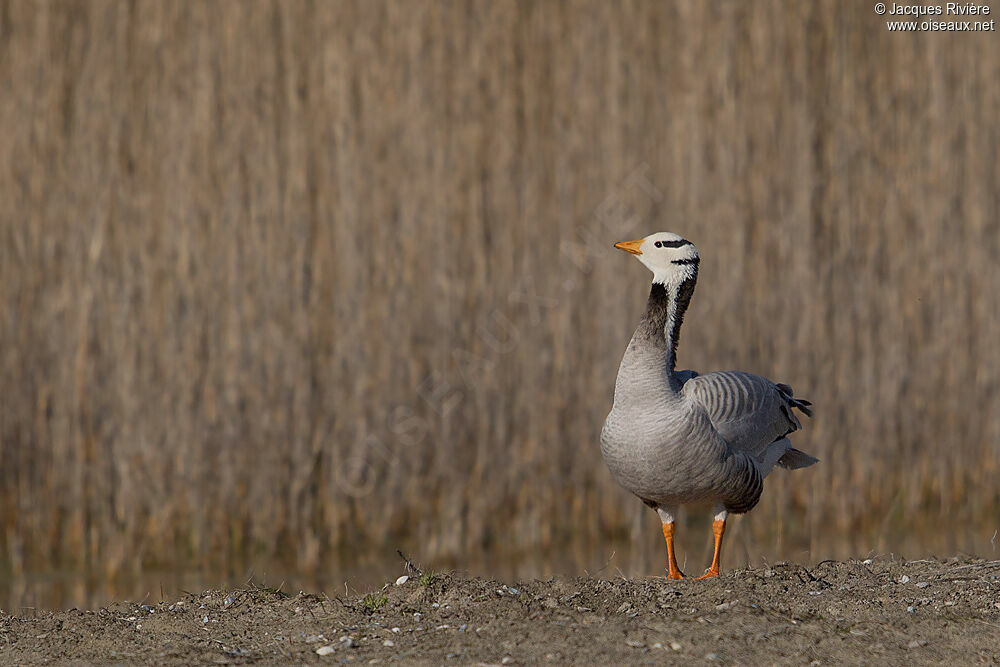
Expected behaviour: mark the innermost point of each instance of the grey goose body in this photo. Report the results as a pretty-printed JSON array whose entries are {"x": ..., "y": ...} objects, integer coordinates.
[{"x": 677, "y": 437}]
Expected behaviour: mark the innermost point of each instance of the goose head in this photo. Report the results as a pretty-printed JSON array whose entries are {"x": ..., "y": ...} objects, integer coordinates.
[{"x": 670, "y": 257}]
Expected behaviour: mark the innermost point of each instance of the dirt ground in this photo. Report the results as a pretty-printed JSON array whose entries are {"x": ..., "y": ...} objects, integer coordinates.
[{"x": 876, "y": 611}]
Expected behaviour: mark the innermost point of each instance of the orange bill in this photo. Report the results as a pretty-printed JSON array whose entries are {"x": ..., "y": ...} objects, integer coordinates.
[{"x": 630, "y": 246}]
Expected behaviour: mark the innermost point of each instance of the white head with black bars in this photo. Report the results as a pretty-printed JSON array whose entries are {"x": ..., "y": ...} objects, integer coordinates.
[{"x": 672, "y": 259}]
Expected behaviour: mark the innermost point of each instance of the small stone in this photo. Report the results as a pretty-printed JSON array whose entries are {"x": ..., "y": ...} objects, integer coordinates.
[
  {"x": 204, "y": 620},
  {"x": 635, "y": 643},
  {"x": 923, "y": 584},
  {"x": 436, "y": 605},
  {"x": 348, "y": 642},
  {"x": 325, "y": 650},
  {"x": 513, "y": 591},
  {"x": 462, "y": 627},
  {"x": 389, "y": 643},
  {"x": 395, "y": 629},
  {"x": 904, "y": 579},
  {"x": 867, "y": 561},
  {"x": 674, "y": 646},
  {"x": 417, "y": 616},
  {"x": 712, "y": 656},
  {"x": 402, "y": 580},
  {"x": 657, "y": 645},
  {"x": 507, "y": 660},
  {"x": 911, "y": 609},
  {"x": 625, "y": 606}
]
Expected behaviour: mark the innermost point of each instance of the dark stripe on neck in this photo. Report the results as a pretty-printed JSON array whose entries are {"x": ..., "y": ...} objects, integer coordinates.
[
  {"x": 664, "y": 299},
  {"x": 684, "y": 292},
  {"x": 655, "y": 317},
  {"x": 693, "y": 260}
]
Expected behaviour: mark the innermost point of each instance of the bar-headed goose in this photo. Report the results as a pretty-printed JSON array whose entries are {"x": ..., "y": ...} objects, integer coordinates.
[{"x": 677, "y": 437}]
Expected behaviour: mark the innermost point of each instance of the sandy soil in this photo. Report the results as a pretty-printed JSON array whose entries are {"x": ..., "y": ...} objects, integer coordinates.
[{"x": 879, "y": 611}]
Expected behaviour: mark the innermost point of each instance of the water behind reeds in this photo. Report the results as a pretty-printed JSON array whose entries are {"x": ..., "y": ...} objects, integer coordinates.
[{"x": 306, "y": 282}]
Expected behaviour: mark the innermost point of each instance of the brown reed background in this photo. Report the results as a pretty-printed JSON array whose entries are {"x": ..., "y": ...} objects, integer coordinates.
[{"x": 307, "y": 282}]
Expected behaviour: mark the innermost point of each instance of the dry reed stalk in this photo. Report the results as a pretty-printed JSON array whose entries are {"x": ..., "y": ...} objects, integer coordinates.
[{"x": 310, "y": 281}]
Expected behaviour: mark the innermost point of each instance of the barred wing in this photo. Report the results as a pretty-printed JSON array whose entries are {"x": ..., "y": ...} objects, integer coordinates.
[{"x": 748, "y": 411}]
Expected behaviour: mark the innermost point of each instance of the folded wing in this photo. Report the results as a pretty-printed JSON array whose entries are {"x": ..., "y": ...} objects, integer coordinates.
[{"x": 752, "y": 414}]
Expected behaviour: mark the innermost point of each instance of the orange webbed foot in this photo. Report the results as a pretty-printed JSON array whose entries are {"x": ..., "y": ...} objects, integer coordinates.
[
  {"x": 719, "y": 528},
  {"x": 674, "y": 572}
]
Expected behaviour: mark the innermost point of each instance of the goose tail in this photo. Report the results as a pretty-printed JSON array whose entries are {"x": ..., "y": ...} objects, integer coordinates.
[{"x": 794, "y": 459}]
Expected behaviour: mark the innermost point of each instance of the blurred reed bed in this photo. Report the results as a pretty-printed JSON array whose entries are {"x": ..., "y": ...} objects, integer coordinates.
[{"x": 311, "y": 281}]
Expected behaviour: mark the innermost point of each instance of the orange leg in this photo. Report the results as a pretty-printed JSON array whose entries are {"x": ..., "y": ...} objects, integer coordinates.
[
  {"x": 668, "y": 535},
  {"x": 719, "y": 528}
]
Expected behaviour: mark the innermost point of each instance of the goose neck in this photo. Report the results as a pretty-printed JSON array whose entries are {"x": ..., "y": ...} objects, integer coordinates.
[{"x": 664, "y": 316}]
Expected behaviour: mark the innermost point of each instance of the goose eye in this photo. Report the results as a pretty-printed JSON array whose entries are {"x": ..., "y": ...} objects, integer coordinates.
[{"x": 657, "y": 244}]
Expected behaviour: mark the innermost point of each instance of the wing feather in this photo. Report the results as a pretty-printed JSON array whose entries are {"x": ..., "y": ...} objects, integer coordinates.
[{"x": 749, "y": 412}]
